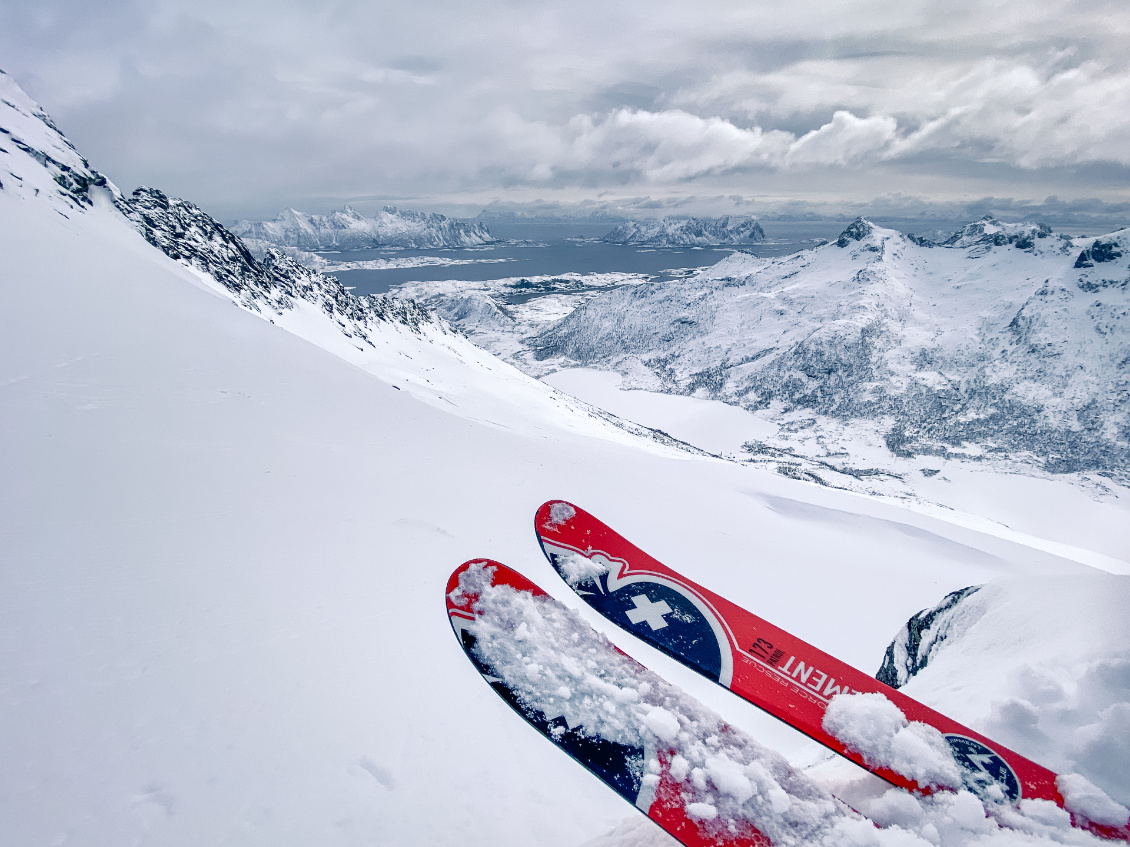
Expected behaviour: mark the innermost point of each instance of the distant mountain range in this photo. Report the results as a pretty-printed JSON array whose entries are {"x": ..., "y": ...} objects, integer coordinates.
[
  {"x": 688, "y": 232},
  {"x": 1005, "y": 339},
  {"x": 1000, "y": 341},
  {"x": 348, "y": 229}
]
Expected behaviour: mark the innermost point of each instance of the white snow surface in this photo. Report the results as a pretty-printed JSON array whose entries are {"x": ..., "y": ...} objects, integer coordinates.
[
  {"x": 1083, "y": 797},
  {"x": 224, "y": 538},
  {"x": 873, "y": 726}
]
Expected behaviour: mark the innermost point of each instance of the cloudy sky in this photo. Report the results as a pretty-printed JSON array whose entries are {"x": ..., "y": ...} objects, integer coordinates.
[{"x": 246, "y": 107}]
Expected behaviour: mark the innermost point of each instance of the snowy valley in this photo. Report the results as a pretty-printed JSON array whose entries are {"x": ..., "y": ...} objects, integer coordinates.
[
  {"x": 878, "y": 355},
  {"x": 234, "y": 493}
]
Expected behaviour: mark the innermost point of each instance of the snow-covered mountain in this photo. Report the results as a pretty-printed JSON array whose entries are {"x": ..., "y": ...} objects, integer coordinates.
[
  {"x": 348, "y": 229},
  {"x": 232, "y": 498},
  {"x": 688, "y": 232},
  {"x": 1005, "y": 340}
]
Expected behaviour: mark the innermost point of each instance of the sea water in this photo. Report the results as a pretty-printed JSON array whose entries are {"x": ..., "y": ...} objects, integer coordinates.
[{"x": 539, "y": 250}]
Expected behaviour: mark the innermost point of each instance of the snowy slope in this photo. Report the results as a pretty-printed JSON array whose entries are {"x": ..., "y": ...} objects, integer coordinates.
[
  {"x": 688, "y": 232},
  {"x": 348, "y": 229},
  {"x": 1006, "y": 342},
  {"x": 223, "y": 549}
]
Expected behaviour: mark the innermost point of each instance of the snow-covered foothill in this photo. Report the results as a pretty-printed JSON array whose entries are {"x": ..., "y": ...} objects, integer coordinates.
[
  {"x": 502, "y": 314},
  {"x": 1005, "y": 343}
]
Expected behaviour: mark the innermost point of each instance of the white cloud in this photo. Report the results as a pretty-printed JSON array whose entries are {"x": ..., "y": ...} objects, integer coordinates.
[
  {"x": 669, "y": 145},
  {"x": 1030, "y": 117},
  {"x": 845, "y": 140}
]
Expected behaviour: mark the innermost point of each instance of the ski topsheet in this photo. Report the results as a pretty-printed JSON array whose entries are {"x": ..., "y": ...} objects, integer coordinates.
[
  {"x": 703, "y": 781},
  {"x": 783, "y": 675}
]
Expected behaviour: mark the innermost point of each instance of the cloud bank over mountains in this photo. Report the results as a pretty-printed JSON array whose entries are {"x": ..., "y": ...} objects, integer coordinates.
[{"x": 249, "y": 106}]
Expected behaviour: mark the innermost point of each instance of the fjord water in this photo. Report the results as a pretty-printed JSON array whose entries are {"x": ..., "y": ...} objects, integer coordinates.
[{"x": 527, "y": 250}]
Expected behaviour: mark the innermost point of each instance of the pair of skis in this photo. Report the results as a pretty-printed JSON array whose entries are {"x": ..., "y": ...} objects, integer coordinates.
[{"x": 703, "y": 781}]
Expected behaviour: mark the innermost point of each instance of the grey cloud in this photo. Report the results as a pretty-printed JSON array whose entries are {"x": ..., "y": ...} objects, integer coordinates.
[{"x": 247, "y": 106}]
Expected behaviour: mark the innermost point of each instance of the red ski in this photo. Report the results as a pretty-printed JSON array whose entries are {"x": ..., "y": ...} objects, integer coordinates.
[
  {"x": 776, "y": 671},
  {"x": 704, "y": 782}
]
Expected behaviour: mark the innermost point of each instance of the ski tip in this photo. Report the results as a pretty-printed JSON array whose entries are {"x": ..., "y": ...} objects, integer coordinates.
[
  {"x": 553, "y": 514},
  {"x": 460, "y": 600}
]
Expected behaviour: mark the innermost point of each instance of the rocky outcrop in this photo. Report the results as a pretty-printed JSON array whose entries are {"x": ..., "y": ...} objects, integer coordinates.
[
  {"x": 912, "y": 649},
  {"x": 187, "y": 234}
]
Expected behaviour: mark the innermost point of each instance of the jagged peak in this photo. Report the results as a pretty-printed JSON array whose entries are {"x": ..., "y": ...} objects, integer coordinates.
[
  {"x": 349, "y": 229},
  {"x": 990, "y": 232},
  {"x": 857, "y": 230},
  {"x": 187, "y": 234}
]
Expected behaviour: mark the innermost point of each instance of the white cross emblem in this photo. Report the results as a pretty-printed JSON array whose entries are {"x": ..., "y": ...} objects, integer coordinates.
[{"x": 646, "y": 610}]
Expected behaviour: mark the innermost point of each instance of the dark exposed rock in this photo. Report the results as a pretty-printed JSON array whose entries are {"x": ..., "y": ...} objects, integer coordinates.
[
  {"x": 185, "y": 233},
  {"x": 1100, "y": 251},
  {"x": 918, "y": 640},
  {"x": 857, "y": 230}
]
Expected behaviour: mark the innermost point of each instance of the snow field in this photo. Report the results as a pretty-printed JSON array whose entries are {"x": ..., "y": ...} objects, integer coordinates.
[{"x": 222, "y": 547}]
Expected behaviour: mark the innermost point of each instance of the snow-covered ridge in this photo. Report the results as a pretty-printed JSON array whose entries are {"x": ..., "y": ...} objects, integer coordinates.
[
  {"x": 396, "y": 339},
  {"x": 185, "y": 233},
  {"x": 989, "y": 232},
  {"x": 43, "y": 165},
  {"x": 64, "y": 177},
  {"x": 1002, "y": 341},
  {"x": 688, "y": 232},
  {"x": 348, "y": 229}
]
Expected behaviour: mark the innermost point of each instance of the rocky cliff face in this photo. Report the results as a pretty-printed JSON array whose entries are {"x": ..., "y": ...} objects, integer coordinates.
[
  {"x": 688, "y": 232},
  {"x": 185, "y": 233},
  {"x": 348, "y": 229}
]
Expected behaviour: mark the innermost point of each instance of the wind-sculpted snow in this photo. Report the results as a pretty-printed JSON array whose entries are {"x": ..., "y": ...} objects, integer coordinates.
[
  {"x": 348, "y": 229},
  {"x": 1064, "y": 698},
  {"x": 1005, "y": 340},
  {"x": 688, "y": 232}
]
